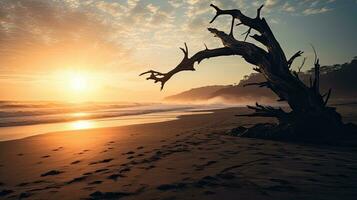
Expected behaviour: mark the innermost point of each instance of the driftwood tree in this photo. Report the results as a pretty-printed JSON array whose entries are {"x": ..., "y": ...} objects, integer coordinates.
[{"x": 308, "y": 116}]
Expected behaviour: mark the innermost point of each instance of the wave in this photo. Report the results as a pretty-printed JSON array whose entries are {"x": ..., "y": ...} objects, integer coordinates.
[{"x": 29, "y": 113}]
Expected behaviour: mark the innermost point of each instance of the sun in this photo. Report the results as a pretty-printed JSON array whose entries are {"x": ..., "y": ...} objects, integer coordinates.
[{"x": 79, "y": 83}]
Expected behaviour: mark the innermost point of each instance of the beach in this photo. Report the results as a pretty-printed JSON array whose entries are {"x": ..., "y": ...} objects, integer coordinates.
[{"x": 192, "y": 157}]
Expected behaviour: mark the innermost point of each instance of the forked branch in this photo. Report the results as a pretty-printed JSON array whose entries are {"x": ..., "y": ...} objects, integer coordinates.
[
  {"x": 266, "y": 36},
  {"x": 291, "y": 60},
  {"x": 187, "y": 64}
]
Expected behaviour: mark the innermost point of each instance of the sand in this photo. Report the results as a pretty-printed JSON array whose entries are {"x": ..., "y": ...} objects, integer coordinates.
[{"x": 189, "y": 158}]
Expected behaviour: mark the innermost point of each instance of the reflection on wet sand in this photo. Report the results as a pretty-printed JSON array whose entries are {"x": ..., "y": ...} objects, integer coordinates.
[
  {"x": 81, "y": 124},
  {"x": 17, "y": 132}
]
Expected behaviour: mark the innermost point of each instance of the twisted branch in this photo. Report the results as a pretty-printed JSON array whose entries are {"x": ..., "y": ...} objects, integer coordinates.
[{"x": 187, "y": 64}]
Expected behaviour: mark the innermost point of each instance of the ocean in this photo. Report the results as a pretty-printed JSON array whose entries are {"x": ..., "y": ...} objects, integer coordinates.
[{"x": 23, "y": 119}]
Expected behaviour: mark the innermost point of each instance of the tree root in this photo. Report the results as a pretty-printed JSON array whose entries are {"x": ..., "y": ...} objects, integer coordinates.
[{"x": 292, "y": 133}]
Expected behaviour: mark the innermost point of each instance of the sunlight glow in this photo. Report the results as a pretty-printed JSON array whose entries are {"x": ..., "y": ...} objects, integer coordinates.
[
  {"x": 75, "y": 85},
  {"x": 79, "y": 83},
  {"x": 80, "y": 114},
  {"x": 82, "y": 124}
]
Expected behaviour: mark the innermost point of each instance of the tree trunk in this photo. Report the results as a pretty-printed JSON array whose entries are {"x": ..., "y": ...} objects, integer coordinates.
[{"x": 309, "y": 118}]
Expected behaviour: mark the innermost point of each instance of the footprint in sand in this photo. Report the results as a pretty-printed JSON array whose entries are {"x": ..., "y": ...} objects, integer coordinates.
[
  {"x": 82, "y": 152},
  {"x": 101, "y": 170},
  {"x": 75, "y": 162},
  {"x": 115, "y": 177},
  {"x": 76, "y": 180},
  {"x": 128, "y": 153},
  {"x": 59, "y": 148},
  {"x": 95, "y": 183},
  {"x": 126, "y": 169},
  {"x": 46, "y": 156},
  {"x": 201, "y": 167},
  {"x": 102, "y": 161},
  {"x": 5, "y": 192},
  {"x": 52, "y": 173}
]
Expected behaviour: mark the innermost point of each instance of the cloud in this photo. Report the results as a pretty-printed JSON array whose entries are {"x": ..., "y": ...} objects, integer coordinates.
[
  {"x": 271, "y": 3},
  {"x": 314, "y": 11},
  {"x": 176, "y": 3},
  {"x": 46, "y": 34},
  {"x": 288, "y": 8},
  {"x": 36, "y": 32}
]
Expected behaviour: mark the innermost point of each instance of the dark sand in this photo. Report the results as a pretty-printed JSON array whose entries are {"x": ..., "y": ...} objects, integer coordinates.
[{"x": 189, "y": 158}]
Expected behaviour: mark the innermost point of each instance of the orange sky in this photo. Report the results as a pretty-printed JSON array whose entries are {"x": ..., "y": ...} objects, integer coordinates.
[{"x": 48, "y": 47}]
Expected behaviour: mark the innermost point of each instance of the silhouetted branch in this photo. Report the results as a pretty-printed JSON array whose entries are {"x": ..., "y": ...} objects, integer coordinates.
[
  {"x": 265, "y": 111},
  {"x": 259, "y": 10},
  {"x": 316, "y": 84},
  {"x": 260, "y": 25},
  {"x": 291, "y": 60},
  {"x": 247, "y": 33},
  {"x": 327, "y": 97},
  {"x": 187, "y": 64},
  {"x": 307, "y": 105},
  {"x": 302, "y": 65},
  {"x": 250, "y": 52},
  {"x": 232, "y": 27}
]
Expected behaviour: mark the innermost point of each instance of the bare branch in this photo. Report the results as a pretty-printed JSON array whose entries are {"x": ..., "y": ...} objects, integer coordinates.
[
  {"x": 250, "y": 52},
  {"x": 267, "y": 37},
  {"x": 218, "y": 12},
  {"x": 259, "y": 10},
  {"x": 247, "y": 33},
  {"x": 327, "y": 97},
  {"x": 205, "y": 46},
  {"x": 302, "y": 65},
  {"x": 232, "y": 27},
  {"x": 313, "y": 48},
  {"x": 260, "y": 39},
  {"x": 265, "y": 111},
  {"x": 291, "y": 60},
  {"x": 316, "y": 84},
  {"x": 187, "y": 64}
]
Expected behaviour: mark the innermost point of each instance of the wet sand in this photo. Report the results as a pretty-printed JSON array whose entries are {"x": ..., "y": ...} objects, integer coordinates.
[{"x": 189, "y": 158}]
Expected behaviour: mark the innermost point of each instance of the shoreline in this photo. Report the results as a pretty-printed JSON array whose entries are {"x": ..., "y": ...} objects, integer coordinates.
[
  {"x": 188, "y": 158},
  {"x": 87, "y": 124}
]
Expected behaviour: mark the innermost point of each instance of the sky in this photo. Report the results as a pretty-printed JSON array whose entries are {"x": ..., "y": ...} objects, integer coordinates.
[{"x": 88, "y": 50}]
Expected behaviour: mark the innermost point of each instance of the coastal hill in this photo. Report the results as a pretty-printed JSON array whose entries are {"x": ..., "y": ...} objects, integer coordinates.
[{"x": 341, "y": 78}]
